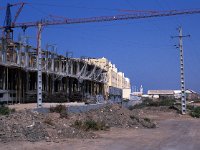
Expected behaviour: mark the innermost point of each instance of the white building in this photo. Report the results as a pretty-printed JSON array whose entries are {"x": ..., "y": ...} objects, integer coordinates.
[{"x": 138, "y": 93}]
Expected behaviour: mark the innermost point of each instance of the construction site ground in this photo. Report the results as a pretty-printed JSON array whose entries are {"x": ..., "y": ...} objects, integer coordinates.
[
  {"x": 47, "y": 105},
  {"x": 173, "y": 132}
]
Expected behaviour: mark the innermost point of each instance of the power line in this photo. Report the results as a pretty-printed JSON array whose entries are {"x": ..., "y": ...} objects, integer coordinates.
[
  {"x": 39, "y": 10},
  {"x": 73, "y": 6},
  {"x": 129, "y": 3}
]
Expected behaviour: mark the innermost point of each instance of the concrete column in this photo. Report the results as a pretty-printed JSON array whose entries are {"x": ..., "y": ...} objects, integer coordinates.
[
  {"x": 67, "y": 67},
  {"x": 77, "y": 67},
  {"x": 72, "y": 67},
  {"x": 26, "y": 57},
  {"x": 52, "y": 61},
  {"x": 4, "y": 51}
]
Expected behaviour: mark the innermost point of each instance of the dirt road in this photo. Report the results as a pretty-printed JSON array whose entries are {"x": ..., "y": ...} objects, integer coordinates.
[{"x": 172, "y": 134}]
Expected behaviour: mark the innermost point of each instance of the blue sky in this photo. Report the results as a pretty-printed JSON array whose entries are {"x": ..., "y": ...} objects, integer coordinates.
[{"x": 142, "y": 49}]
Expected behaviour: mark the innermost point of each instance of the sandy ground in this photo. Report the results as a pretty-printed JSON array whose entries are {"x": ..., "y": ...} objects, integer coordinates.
[
  {"x": 173, "y": 133},
  {"x": 45, "y": 105}
]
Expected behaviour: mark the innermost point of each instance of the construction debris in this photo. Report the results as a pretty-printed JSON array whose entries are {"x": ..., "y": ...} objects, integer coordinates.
[
  {"x": 33, "y": 126},
  {"x": 114, "y": 116}
]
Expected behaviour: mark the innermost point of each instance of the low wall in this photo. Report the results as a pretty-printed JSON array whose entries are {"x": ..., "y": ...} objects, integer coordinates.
[{"x": 73, "y": 109}]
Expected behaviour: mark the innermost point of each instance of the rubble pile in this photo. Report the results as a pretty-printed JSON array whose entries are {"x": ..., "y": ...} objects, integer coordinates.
[
  {"x": 33, "y": 126},
  {"x": 114, "y": 116}
]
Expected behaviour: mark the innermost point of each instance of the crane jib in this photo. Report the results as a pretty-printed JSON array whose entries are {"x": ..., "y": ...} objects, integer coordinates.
[{"x": 102, "y": 18}]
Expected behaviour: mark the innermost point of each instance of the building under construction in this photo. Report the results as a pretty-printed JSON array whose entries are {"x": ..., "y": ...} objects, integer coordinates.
[
  {"x": 64, "y": 79},
  {"x": 58, "y": 78}
]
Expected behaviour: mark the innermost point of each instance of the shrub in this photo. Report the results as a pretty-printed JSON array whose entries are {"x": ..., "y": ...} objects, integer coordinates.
[
  {"x": 61, "y": 109},
  {"x": 146, "y": 102},
  {"x": 131, "y": 107},
  {"x": 195, "y": 112},
  {"x": 78, "y": 124},
  {"x": 58, "y": 108},
  {"x": 134, "y": 117},
  {"x": 176, "y": 107},
  {"x": 13, "y": 110},
  {"x": 4, "y": 110},
  {"x": 90, "y": 125},
  {"x": 190, "y": 107},
  {"x": 145, "y": 122},
  {"x": 166, "y": 102},
  {"x": 49, "y": 121},
  {"x": 149, "y": 102}
]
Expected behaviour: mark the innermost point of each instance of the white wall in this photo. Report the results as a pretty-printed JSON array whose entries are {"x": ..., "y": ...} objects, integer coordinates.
[{"x": 126, "y": 93}]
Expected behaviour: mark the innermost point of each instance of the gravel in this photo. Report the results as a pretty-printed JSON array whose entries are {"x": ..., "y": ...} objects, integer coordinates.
[
  {"x": 114, "y": 116},
  {"x": 29, "y": 125}
]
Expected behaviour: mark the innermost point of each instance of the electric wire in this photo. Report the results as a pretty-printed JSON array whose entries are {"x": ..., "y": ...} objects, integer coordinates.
[{"x": 73, "y": 6}]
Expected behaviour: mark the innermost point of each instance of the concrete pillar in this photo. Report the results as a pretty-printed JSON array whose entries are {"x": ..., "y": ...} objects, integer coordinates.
[
  {"x": 72, "y": 67},
  {"x": 4, "y": 51},
  {"x": 67, "y": 67},
  {"x": 27, "y": 57},
  {"x": 52, "y": 61},
  {"x": 77, "y": 67}
]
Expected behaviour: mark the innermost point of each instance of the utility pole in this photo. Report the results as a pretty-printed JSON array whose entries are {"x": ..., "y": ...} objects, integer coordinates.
[
  {"x": 180, "y": 46},
  {"x": 39, "y": 67}
]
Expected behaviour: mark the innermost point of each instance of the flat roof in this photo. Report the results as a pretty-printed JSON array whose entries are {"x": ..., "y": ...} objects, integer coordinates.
[{"x": 160, "y": 92}]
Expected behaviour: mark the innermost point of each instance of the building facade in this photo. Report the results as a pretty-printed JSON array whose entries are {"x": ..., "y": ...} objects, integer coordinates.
[
  {"x": 115, "y": 78},
  {"x": 64, "y": 79}
]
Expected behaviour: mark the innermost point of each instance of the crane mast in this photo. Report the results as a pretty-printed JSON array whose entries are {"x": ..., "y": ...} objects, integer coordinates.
[{"x": 8, "y": 23}]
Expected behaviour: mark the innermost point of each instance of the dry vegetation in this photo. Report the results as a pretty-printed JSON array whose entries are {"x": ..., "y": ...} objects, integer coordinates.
[
  {"x": 59, "y": 123},
  {"x": 33, "y": 126}
]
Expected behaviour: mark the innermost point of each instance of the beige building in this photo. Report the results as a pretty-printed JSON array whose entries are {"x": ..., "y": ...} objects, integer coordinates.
[{"x": 116, "y": 79}]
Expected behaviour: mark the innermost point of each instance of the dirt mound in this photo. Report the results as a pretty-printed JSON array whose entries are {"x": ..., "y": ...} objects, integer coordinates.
[
  {"x": 33, "y": 126},
  {"x": 114, "y": 116}
]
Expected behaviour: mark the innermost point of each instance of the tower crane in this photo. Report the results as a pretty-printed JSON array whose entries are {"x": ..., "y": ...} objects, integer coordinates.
[
  {"x": 133, "y": 14},
  {"x": 8, "y": 22}
]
